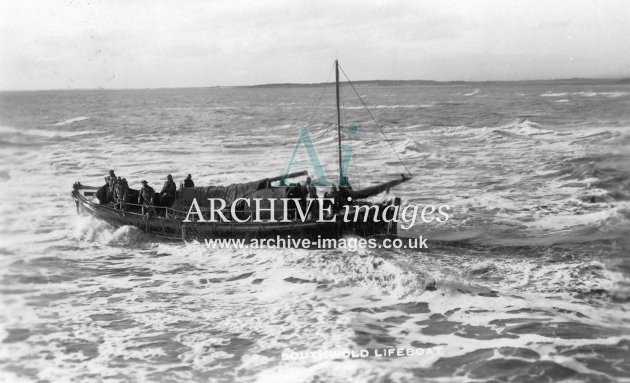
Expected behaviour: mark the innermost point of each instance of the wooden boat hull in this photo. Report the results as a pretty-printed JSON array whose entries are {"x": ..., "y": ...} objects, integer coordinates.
[{"x": 176, "y": 229}]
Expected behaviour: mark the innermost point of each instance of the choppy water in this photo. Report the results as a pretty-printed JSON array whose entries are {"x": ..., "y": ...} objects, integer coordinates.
[{"x": 529, "y": 281}]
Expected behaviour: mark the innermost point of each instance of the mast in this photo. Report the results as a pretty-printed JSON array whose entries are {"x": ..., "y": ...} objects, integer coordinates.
[{"x": 338, "y": 120}]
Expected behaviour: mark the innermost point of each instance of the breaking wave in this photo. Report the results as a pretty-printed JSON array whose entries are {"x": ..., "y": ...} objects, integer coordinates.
[
  {"x": 552, "y": 94},
  {"x": 93, "y": 230},
  {"x": 600, "y": 94},
  {"x": 9, "y": 131},
  {"x": 71, "y": 121},
  {"x": 412, "y": 106}
]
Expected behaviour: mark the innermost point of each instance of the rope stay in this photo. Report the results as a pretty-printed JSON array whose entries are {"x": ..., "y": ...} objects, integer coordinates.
[
  {"x": 374, "y": 120},
  {"x": 317, "y": 104}
]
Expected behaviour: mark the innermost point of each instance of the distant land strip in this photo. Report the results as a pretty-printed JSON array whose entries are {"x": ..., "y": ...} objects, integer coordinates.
[{"x": 568, "y": 81}]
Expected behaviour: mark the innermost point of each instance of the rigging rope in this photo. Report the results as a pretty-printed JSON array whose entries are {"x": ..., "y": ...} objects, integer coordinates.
[
  {"x": 318, "y": 103},
  {"x": 374, "y": 120}
]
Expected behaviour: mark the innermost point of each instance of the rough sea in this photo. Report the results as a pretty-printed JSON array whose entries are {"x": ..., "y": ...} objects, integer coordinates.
[{"x": 529, "y": 281}]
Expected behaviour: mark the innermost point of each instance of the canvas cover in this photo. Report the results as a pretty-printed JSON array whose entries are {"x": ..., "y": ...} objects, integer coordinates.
[
  {"x": 264, "y": 195},
  {"x": 228, "y": 193}
]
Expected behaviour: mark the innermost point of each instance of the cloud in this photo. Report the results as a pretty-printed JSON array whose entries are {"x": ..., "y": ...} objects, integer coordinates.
[{"x": 121, "y": 44}]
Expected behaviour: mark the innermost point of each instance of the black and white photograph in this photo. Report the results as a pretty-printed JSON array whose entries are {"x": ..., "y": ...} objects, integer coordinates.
[{"x": 276, "y": 191}]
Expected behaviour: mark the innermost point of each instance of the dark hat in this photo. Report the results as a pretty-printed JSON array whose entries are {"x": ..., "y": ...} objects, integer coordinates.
[
  {"x": 189, "y": 176},
  {"x": 168, "y": 177},
  {"x": 111, "y": 172},
  {"x": 143, "y": 182}
]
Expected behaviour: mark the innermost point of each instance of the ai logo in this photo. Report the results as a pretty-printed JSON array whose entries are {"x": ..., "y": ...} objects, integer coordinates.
[{"x": 304, "y": 139}]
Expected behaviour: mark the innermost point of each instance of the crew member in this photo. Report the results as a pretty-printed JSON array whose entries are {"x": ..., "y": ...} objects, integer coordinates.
[
  {"x": 167, "y": 195},
  {"x": 312, "y": 190},
  {"x": 111, "y": 181},
  {"x": 336, "y": 200},
  {"x": 147, "y": 195},
  {"x": 311, "y": 193},
  {"x": 111, "y": 177},
  {"x": 122, "y": 190},
  {"x": 188, "y": 182}
]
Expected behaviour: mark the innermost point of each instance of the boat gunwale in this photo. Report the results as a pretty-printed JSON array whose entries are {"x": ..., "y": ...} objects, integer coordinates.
[{"x": 234, "y": 225}]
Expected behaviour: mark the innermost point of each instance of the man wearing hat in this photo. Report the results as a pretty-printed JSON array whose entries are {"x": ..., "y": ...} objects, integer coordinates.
[{"x": 146, "y": 194}]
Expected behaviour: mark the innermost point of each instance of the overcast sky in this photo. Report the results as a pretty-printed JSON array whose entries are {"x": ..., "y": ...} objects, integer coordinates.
[{"x": 151, "y": 43}]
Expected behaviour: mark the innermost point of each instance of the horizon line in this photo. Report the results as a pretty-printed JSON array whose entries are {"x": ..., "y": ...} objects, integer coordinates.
[{"x": 574, "y": 80}]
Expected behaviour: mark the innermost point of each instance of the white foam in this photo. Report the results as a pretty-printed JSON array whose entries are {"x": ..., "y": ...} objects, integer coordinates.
[
  {"x": 599, "y": 218},
  {"x": 552, "y": 94},
  {"x": 94, "y": 230},
  {"x": 45, "y": 132},
  {"x": 601, "y": 94},
  {"x": 71, "y": 121},
  {"x": 408, "y": 106}
]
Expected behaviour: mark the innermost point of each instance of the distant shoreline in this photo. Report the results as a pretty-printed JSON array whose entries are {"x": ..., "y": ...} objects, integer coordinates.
[{"x": 568, "y": 81}]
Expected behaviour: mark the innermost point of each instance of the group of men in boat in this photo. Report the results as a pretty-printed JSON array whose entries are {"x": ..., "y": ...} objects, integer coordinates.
[
  {"x": 308, "y": 191},
  {"x": 116, "y": 191}
]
